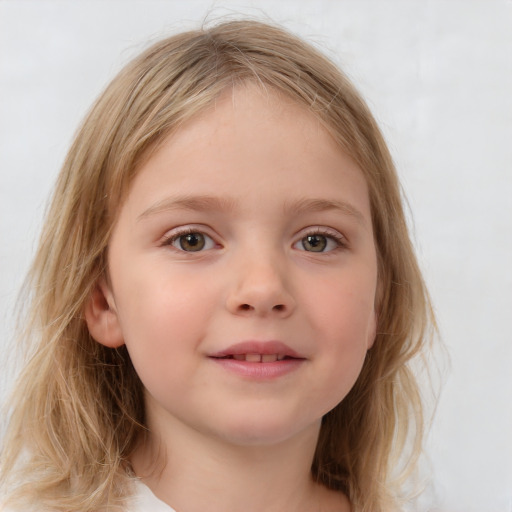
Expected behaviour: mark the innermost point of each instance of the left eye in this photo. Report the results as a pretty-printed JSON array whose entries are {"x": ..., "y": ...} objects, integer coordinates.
[
  {"x": 317, "y": 243},
  {"x": 193, "y": 241}
]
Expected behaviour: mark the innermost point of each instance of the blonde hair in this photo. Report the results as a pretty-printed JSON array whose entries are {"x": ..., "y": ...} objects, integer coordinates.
[{"x": 79, "y": 406}]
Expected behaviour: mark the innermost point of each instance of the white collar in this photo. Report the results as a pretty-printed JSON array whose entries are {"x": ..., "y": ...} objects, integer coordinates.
[{"x": 145, "y": 501}]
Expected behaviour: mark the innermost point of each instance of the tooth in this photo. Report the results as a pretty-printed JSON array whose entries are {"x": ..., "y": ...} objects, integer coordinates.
[
  {"x": 280, "y": 357},
  {"x": 253, "y": 358},
  {"x": 239, "y": 357},
  {"x": 268, "y": 358}
]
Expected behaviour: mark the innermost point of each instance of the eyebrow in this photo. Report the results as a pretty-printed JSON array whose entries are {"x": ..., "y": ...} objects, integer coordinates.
[
  {"x": 195, "y": 203},
  {"x": 205, "y": 203},
  {"x": 321, "y": 205}
]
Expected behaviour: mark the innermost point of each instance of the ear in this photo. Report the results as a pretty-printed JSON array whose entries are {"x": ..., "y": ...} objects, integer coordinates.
[{"x": 101, "y": 316}]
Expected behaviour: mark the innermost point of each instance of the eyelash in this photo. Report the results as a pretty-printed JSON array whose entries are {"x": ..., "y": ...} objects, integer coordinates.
[
  {"x": 170, "y": 239},
  {"x": 339, "y": 239}
]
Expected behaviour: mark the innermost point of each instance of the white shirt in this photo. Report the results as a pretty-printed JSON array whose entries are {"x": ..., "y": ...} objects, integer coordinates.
[
  {"x": 145, "y": 501},
  {"x": 142, "y": 501}
]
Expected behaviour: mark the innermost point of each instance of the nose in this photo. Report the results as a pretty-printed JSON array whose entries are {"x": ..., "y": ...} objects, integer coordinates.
[{"x": 260, "y": 289}]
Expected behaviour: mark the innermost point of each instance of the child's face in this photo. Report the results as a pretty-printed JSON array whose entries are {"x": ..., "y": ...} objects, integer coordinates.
[{"x": 247, "y": 235}]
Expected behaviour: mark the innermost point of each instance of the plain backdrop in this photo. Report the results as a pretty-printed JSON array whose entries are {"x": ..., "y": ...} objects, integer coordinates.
[{"x": 437, "y": 75}]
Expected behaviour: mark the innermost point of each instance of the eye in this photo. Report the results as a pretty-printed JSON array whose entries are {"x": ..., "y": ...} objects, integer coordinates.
[
  {"x": 320, "y": 242},
  {"x": 190, "y": 241}
]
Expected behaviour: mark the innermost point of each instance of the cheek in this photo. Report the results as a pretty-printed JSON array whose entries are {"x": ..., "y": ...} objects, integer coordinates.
[
  {"x": 345, "y": 306},
  {"x": 160, "y": 320},
  {"x": 343, "y": 318}
]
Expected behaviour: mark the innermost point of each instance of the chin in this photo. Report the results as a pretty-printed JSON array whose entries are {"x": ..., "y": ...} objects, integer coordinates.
[{"x": 268, "y": 433}]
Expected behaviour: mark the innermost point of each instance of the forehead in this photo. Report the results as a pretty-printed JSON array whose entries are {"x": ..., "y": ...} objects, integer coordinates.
[{"x": 251, "y": 141}]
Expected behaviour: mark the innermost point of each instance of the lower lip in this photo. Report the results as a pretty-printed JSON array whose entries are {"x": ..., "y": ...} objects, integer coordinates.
[{"x": 259, "y": 371}]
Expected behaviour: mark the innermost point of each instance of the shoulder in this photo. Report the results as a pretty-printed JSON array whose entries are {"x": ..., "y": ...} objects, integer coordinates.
[
  {"x": 334, "y": 501},
  {"x": 144, "y": 500}
]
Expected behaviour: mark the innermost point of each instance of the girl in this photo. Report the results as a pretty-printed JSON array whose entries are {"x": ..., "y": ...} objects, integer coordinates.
[{"x": 225, "y": 300}]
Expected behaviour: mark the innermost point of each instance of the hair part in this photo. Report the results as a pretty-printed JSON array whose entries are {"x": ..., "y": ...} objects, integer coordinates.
[{"x": 78, "y": 410}]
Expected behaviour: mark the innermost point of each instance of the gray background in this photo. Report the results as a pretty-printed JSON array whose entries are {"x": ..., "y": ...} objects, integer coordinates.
[{"x": 438, "y": 76}]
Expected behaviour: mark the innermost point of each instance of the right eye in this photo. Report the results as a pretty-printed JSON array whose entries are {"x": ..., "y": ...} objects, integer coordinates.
[{"x": 190, "y": 241}]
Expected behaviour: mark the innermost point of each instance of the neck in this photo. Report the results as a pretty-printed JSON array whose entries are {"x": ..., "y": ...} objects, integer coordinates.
[{"x": 197, "y": 472}]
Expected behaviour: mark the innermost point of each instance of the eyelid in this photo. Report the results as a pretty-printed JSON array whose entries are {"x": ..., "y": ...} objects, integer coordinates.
[
  {"x": 171, "y": 236},
  {"x": 340, "y": 239}
]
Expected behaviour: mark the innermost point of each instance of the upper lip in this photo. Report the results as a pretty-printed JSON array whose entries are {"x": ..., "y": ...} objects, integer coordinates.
[{"x": 258, "y": 347}]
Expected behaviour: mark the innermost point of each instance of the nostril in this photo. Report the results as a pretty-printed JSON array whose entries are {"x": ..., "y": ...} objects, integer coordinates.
[{"x": 248, "y": 307}]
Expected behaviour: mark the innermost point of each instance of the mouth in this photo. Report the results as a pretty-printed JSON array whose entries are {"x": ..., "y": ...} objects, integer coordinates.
[
  {"x": 258, "y": 352},
  {"x": 259, "y": 360}
]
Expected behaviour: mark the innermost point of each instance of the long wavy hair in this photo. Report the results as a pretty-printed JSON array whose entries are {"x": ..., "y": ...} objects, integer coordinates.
[{"x": 78, "y": 407}]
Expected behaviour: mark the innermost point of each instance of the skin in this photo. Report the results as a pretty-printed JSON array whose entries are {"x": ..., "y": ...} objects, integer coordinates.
[{"x": 272, "y": 176}]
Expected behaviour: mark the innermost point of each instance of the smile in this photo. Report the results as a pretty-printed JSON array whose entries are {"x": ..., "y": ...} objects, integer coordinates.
[
  {"x": 258, "y": 352},
  {"x": 258, "y": 358}
]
